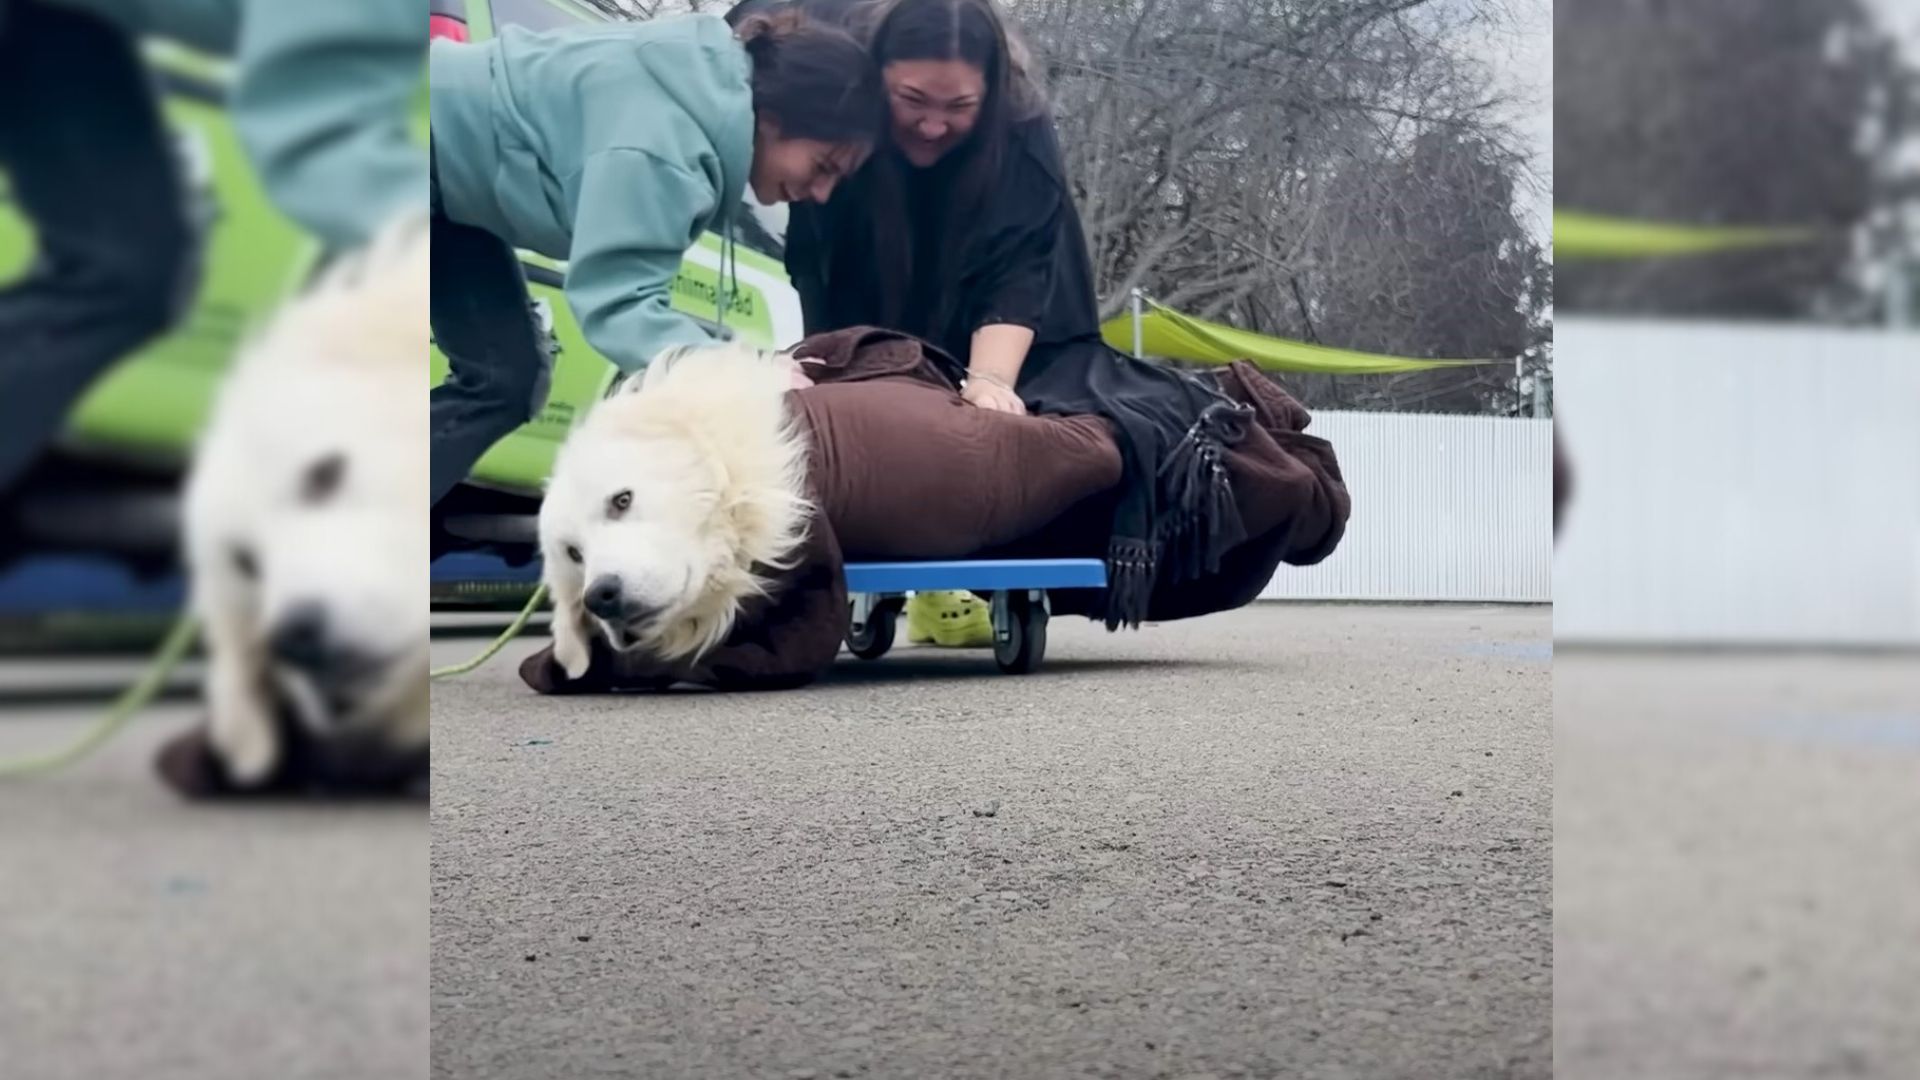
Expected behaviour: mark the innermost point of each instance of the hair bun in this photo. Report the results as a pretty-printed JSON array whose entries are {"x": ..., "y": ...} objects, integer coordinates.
[{"x": 762, "y": 33}]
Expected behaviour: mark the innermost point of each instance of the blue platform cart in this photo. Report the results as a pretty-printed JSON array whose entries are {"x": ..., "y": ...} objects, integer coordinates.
[{"x": 1017, "y": 589}]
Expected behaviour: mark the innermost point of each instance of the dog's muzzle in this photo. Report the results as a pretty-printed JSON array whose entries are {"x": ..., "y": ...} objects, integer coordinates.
[
  {"x": 305, "y": 642},
  {"x": 606, "y": 599}
]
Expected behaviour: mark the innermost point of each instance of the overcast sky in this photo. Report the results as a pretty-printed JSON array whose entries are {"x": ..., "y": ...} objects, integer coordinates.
[
  {"x": 1522, "y": 64},
  {"x": 1903, "y": 16}
]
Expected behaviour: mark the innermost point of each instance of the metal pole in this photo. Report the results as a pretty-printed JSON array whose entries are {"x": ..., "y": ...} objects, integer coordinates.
[
  {"x": 1139, "y": 349},
  {"x": 1900, "y": 290}
]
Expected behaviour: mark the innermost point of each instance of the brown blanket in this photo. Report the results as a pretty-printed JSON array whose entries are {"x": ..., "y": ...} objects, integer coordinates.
[
  {"x": 903, "y": 468},
  {"x": 308, "y": 768},
  {"x": 1562, "y": 481}
]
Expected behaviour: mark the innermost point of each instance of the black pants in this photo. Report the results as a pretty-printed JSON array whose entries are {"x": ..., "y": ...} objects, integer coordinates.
[
  {"x": 500, "y": 358},
  {"x": 91, "y": 167}
]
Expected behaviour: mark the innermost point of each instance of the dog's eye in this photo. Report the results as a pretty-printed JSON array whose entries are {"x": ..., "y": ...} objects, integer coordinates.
[
  {"x": 323, "y": 478},
  {"x": 243, "y": 561},
  {"x": 620, "y": 502},
  {"x": 574, "y": 554}
]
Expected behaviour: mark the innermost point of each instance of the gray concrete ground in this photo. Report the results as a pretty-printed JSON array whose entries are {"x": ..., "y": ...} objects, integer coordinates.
[
  {"x": 1302, "y": 842},
  {"x": 1736, "y": 867},
  {"x": 144, "y": 937}
]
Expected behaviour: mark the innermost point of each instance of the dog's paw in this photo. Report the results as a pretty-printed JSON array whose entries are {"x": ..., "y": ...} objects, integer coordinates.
[
  {"x": 543, "y": 674},
  {"x": 249, "y": 752},
  {"x": 573, "y": 655}
]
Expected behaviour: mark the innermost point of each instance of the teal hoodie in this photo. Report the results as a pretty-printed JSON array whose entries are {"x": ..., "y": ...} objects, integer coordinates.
[
  {"x": 322, "y": 99},
  {"x": 611, "y": 147}
]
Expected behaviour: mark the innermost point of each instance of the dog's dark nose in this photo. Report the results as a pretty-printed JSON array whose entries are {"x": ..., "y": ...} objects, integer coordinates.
[
  {"x": 300, "y": 637},
  {"x": 603, "y": 598}
]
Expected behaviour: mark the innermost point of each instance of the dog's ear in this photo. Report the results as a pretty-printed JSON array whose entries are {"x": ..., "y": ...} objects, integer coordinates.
[
  {"x": 628, "y": 383},
  {"x": 660, "y": 366},
  {"x": 572, "y": 636}
]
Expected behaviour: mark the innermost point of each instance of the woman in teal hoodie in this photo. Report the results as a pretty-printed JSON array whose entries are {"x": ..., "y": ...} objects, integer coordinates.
[
  {"x": 321, "y": 97},
  {"x": 613, "y": 148}
]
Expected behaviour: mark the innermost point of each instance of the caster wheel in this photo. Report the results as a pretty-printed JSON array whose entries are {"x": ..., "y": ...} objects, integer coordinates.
[
  {"x": 872, "y": 641},
  {"x": 1020, "y": 632}
]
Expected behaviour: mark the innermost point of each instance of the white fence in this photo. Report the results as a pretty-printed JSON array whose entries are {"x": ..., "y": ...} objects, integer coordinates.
[
  {"x": 1739, "y": 485},
  {"x": 1445, "y": 508}
]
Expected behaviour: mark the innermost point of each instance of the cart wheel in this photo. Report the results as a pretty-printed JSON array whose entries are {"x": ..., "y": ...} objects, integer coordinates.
[
  {"x": 872, "y": 641},
  {"x": 1020, "y": 634}
]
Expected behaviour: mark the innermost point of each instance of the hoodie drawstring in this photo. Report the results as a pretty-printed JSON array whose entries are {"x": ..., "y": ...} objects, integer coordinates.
[{"x": 729, "y": 276}]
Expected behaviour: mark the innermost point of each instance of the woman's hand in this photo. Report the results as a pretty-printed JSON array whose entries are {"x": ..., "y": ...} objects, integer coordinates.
[
  {"x": 993, "y": 368},
  {"x": 993, "y": 396}
]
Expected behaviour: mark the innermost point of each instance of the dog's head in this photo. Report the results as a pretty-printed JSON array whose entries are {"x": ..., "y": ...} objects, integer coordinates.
[
  {"x": 670, "y": 503},
  {"x": 307, "y": 508},
  {"x": 340, "y": 579}
]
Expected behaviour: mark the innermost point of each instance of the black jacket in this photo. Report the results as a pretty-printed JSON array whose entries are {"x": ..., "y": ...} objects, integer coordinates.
[{"x": 1024, "y": 261}]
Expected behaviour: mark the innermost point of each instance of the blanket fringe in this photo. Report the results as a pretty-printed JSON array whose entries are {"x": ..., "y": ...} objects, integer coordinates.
[
  {"x": 1198, "y": 523},
  {"x": 1201, "y": 521},
  {"x": 1132, "y": 566}
]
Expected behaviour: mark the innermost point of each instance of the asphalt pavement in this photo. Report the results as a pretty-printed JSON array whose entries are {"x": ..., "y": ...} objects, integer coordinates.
[
  {"x": 1737, "y": 867},
  {"x": 143, "y": 936},
  {"x": 1292, "y": 841}
]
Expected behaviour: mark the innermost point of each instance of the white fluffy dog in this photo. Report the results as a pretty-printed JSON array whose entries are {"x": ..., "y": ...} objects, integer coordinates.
[
  {"x": 671, "y": 503},
  {"x": 306, "y": 520}
]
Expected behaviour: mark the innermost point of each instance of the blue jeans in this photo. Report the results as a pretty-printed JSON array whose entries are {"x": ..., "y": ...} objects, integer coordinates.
[
  {"x": 500, "y": 358},
  {"x": 93, "y": 170}
]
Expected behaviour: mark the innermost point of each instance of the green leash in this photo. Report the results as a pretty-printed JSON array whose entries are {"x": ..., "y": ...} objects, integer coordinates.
[
  {"x": 493, "y": 650},
  {"x": 167, "y": 660},
  {"x": 135, "y": 698}
]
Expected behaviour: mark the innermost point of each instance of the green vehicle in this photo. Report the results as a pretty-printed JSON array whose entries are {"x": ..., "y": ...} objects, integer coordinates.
[
  {"x": 108, "y": 487},
  {"x": 495, "y": 511},
  {"x": 763, "y": 308}
]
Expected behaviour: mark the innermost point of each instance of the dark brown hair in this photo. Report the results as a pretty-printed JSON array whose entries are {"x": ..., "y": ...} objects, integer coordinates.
[{"x": 813, "y": 79}]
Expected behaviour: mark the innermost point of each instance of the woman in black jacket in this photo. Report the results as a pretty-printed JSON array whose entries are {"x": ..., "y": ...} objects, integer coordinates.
[{"x": 963, "y": 232}]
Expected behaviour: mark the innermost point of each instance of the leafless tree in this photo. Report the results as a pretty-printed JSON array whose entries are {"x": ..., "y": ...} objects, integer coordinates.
[
  {"x": 1340, "y": 171},
  {"x": 1334, "y": 170},
  {"x": 648, "y": 9},
  {"x": 1791, "y": 112}
]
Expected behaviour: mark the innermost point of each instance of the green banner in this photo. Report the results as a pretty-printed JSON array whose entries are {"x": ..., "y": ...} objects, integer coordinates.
[
  {"x": 1167, "y": 333},
  {"x": 1578, "y": 235}
]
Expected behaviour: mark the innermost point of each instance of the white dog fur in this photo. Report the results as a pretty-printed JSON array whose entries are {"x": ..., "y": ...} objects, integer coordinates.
[
  {"x": 685, "y": 489},
  {"x": 309, "y": 488}
]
